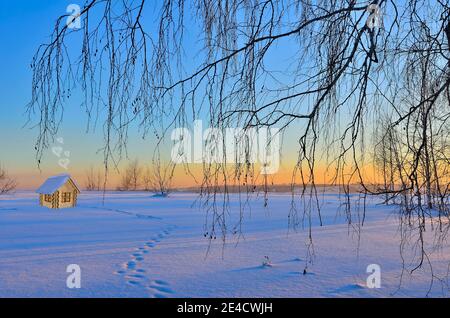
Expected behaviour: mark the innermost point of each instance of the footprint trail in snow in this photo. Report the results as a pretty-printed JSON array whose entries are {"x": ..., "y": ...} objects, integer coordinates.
[{"x": 139, "y": 277}]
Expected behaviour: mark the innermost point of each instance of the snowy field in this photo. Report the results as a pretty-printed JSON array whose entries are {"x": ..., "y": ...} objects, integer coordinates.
[{"x": 138, "y": 246}]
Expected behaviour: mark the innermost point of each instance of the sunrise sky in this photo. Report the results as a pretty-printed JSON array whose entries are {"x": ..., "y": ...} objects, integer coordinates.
[{"x": 23, "y": 26}]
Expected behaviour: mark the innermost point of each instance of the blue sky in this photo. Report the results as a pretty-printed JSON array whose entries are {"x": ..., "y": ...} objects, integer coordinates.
[{"x": 24, "y": 25}]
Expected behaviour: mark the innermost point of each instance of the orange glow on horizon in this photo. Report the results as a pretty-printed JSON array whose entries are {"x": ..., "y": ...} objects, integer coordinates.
[{"x": 29, "y": 180}]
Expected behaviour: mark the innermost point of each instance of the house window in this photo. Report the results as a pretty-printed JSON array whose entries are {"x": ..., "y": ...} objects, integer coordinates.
[
  {"x": 48, "y": 198},
  {"x": 66, "y": 196}
]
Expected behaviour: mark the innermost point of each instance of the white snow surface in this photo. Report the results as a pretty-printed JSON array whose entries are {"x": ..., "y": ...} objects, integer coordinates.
[{"x": 136, "y": 245}]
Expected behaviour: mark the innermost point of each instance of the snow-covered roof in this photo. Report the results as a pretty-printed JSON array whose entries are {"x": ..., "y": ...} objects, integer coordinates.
[{"x": 54, "y": 183}]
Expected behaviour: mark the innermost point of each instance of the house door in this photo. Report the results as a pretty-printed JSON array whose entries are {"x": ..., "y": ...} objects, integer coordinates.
[{"x": 55, "y": 201}]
